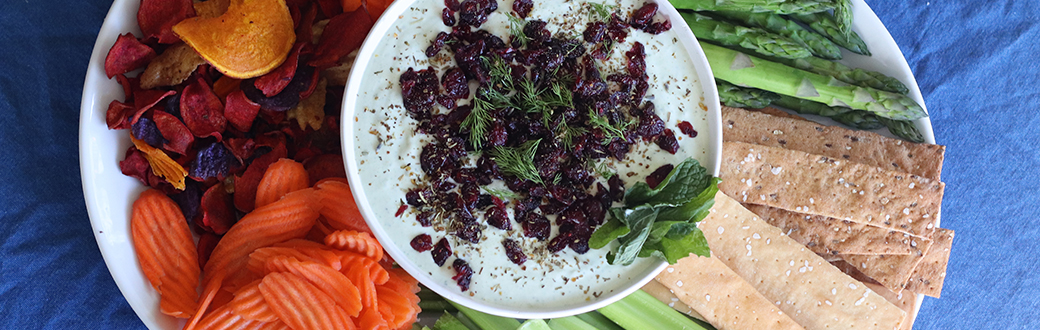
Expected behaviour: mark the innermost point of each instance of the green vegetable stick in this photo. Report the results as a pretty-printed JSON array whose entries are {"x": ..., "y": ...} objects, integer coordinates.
[
  {"x": 468, "y": 322},
  {"x": 449, "y": 322},
  {"x": 759, "y": 40},
  {"x": 598, "y": 321},
  {"x": 569, "y": 323},
  {"x": 534, "y": 324},
  {"x": 745, "y": 70},
  {"x": 825, "y": 24},
  {"x": 739, "y": 97},
  {"x": 640, "y": 310},
  {"x": 785, "y": 7},
  {"x": 819, "y": 45},
  {"x": 487, "y": 321}
]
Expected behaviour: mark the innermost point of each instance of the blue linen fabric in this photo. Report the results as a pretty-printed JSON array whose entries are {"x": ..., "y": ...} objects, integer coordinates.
[{"x": 976, "y": 62}]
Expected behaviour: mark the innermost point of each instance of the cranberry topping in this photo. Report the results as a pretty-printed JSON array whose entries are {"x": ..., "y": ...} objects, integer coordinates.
[
  {"x": 441, "y": 252},
  {"x": 463, "y": 273},
  {"x": 513, "y": 252},
  {"x": 422, "y": 243},
  {"x": 686, "y": 128},
  {"x": 658, "y": 175}
]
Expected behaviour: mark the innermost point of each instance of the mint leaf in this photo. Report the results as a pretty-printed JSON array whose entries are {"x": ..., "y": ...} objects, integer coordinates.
[
  {"x": 695, "y": 209},
  {"x": 683, "y": 183},
  {"x": 673, "y": 249},
  {"x": 639, "y": 222},
  {"x": 607, "y": 233}
]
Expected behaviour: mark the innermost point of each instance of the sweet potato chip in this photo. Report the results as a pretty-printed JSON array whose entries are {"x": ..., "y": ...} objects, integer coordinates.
[
  {"x": 201, "y": 110},
  {"x": 162, "y": 165},
  {"x": 275, "y": 81},
  {"x": 225, "y": 85},
  {"x": 178, "y": 137},
  {"x": 157, "y": 18},
  {"x": 218, "y": 212},
  {"x": 250, "y": 39},
  {"x": 172, "y": 67},
  {"x": 126, "y": 55},
  {"x": 240, "y": 111},
  {"x": 344, "y": 33}
]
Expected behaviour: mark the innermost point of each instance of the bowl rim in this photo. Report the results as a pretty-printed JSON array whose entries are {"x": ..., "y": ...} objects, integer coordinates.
[{"x": 387, "y": 21}]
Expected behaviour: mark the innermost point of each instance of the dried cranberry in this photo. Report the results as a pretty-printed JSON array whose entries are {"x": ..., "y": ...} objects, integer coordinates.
[
  {"x": 497, "y": 217},
  {"x": 422, "y": 243},
  {"x": 522, "y": 8},
  {"x": 536, "y": 226},
  {"x": 465, "y": 175},
  {"x": 425, "y": 218},
  {"x": 617, "y": 28},
  {"x": 617, "y": 188},
  {"x": 438, "y": 43},
  {"x": 579, "y": 244},
  {"x": 658, "y": 175},
  {"x": 448, "y": 17},
  {"x": 650, "y": 125},
  {"x": 617, "y": 149},
  {"x": 513, "y": 252},
  {"x": 417, "y": 197},
  {"x": 418, "y": 92},
  {"x": 658, "y": 27},
  {"x": 487, "y": 170},
  {"x": 453, "y": 5},
  {"x": 536, "y": 31},
  {"x": 497, "y": 136},
  {"x": 686, "y": 128},
  {"x": 594, "y": 211},
  {"x": 594, "y": 32},
  {"x": 470, "y": 193},
  {"x": 471, "y": 13},
  {"x": 441, "y": 252},
  {"x": 559, "y": 242},
  {"x": 432, "y": 159},
  {"x": 455, "y": 84},
  {"x": 463, "y": 273},
  {"x": 667, "y": 142},
  {"x": 469, "y": 231},
  {"x": 573, "y": 216},
  {"x": 636, "y": 60},
  {"x": 643, "y": 16}
]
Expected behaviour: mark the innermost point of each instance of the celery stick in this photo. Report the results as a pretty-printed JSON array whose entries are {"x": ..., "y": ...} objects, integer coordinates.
[
  {"x": 598, "y": 321},
  {"x": 570, "y": 323},
  {"x": 487, "y": 321},
  {"x": 449, "y": 322},
  {"x": 434, "y": 306},
  {"x": 534, "y": 324},
  {"x": 467, "y": 322},
  {"x": 640, "y": 311}
]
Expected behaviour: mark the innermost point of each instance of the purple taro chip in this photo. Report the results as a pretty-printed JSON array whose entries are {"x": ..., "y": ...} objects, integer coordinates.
[
  {"x": 213, "y": 161},
  {"x": 189, "y": 200},
  {"x": 145, "y": 130}
]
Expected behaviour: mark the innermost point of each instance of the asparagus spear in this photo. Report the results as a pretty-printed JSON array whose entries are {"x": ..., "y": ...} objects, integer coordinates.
[
  {"x": 744, "y": 70},
  {"x": 825, "y": 24},
  {"x": 858, "y": 77},
  {"x": 843, "y": 16},
  {"x": 817, "y": 44},
  {"x": 739, "y": 97},
  {"x": 783, "y": 7},
  {"x": 904, "y": 129},
  {"x": 761, "y": 41},
  {"x": 856, "y": 119}
]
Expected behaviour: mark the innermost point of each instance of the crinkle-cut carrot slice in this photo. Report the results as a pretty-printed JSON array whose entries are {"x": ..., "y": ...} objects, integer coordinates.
[
  {"x": 371, "y": 319},
  {"x": 276, "y": 325},
  {"x": 250, "y": 304},
  {"x": 282, "y": 177},
  {"x": 396, "y": 310},
  {"x": 329, "y": 280},
  {"x": 258, "y": 259},
  {"x": 359, "y": 275},
  {"x": 166, "y": 251},
  {"x": 353, "y": 241},
  {"x": 301, "y": 305},
  {"x": 403, "y": 284},
  {"x": 376, "y": 273},
  {"x": 339, "y": 208},
  {"x": 288, "y": 218},
  {"x": 225, "y": 319},
  {"x": 303, "y": 243},
  {"x": 162, "y": 165}
]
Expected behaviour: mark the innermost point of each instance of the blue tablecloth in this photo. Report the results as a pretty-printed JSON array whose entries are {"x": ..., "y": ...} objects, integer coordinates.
[{"x": 976, "y": 62}]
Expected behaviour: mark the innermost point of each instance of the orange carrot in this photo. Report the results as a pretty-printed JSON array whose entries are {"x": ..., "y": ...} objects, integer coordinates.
[
  {"x": 288, "y": 218},
  {"x": 250, "y": 304},
  {"x": 372, "y": 319},
  {"x": 302, "y": 305},
  {"x": 339, "y": 208},
  {"x": 376, "y": 273},
  {"x": 361, "y": 243},
  {"x": 225, "y": 319},
  {"x": 329, "y": 280},
  {"x": 282, "y": 177},
  {"x": 396, "y": 310},
  {"x": 359, "y": 275},
  {"x": 209, "y": 294},
  {"x": 258, "y": 259},
  {"x": 403, "y": 284},
  {"x": 166, "y": 251}
]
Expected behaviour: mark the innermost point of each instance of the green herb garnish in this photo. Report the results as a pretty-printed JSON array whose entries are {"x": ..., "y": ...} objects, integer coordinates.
[
  {"x": 519, "y": 161},
  {"x": 478, "y": 120},
  {"x": 501, "y": 194},
  {"x": 611, "y": 131},
  {"x": 516, "y": 30},
  {"x": 600, "y": 11}
]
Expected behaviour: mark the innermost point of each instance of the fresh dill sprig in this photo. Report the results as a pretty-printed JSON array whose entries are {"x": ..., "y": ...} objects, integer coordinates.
[
  {"x": 557, "y": 178},
  {"x": 566, "y": 134},
  {"x": 516, "y": 30},
  {"x": 499, "y": 71},
  {"x": 519, "y": 161},
  {"x": 478, "y": 120},
  {"x": 611, "y": 131},
  {"x": 602, "y": 169},
  {"x": 558, "y": 96},
  {"x": 600, "y": 11},
  {"x": 501, "y": 194}
]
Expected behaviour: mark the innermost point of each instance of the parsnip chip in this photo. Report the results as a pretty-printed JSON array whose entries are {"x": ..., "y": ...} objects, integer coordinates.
[{"x": 250, "y": 39}]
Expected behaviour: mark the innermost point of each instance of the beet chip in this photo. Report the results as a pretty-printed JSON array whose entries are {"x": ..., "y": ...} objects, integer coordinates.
[
  {"x": 126, "y": 55},
  {"x": 201, "y": 109},
  {"x": 135, "y": 165},
  {"x": 157, "y": 18},
  {"x": 324, "y": 166},
  {"x": 178, "y": 137},
  {"x": 344, "y": 34},
  {"x": 145, "y": 99},
  {"x": 118, "y": 115},
  {"x": 242, "y": 148},
  {"x": 289, "y": 97},
  {"x": 212, "y": 161},
  {"x": 240, "y": 111},
  {"x": 218, "y": 213},
  {"x": 245, "y": 185},
  {"x": 207, "y": 242},
  {"x": 275, "y": 81},
  {"x": 144, "y": 129}
]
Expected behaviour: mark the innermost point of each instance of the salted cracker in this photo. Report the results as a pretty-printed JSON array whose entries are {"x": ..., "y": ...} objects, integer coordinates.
[
  {"x": 904, "y": 299},
  {"x": 835, "y": 236},
  {"x": 723, "y": 298},
  {"x": 813, "y": 184},
  {"x": 892, "y": 271},
  {"x": 863, "y": 147},
  {"x": 807, "y": 288},
  {"x": 667, "y": 296},
  {"x": 928, "y": 277}
]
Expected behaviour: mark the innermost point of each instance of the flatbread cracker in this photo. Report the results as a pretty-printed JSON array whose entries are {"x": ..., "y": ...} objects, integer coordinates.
[
  {"x": 813, "y": 184},
  {"x": 665, "y": 295},
  {"x": 928, "y": 277},
  {"x": 892, "y": 271},
  {"x": 721, "y": 296},
  {"x": 863, "y": 147},
  {"x": 837, "y": 236},
  {"x": 905, "y": 300},
  {"x": 807, "y": 288}
]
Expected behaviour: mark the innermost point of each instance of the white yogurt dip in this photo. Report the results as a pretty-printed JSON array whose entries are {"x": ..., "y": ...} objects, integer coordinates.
[{"x": 386, "y": 146}]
